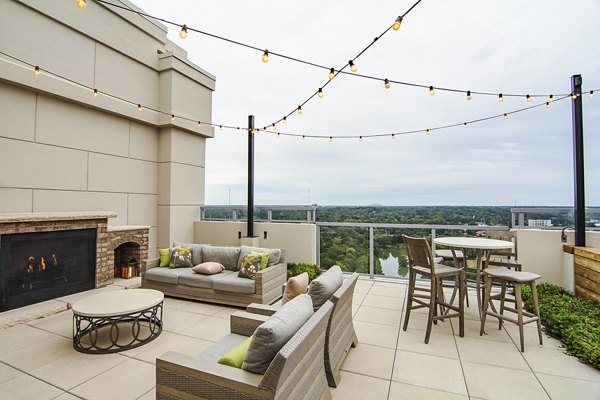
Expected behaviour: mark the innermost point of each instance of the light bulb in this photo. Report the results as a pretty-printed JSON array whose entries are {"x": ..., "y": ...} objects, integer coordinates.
[
  {"x": 547, "y": 104},
  {"x": 360, "y": 138},
  {"x": 574, "y": 96},
  {"x": 397, "y": 23},
  {"x": 36, "y": 71},
  {"x": 352, "y": 66},
  {"x": 529, "y": 99},
  {"x": 220, "y": 127},
  {"x": 431, "y": 91},
  {"x": 81, "y": 3},
  {"x": 427, "y": 132},
  {"x": 139, "y": 107},
  {"x": 274, "y": 127},
  {"x": 95, "y": 93},
  {"x": 466, "y": 125},
  {"x": 386, "y": 83},
  {"x": 591, "y": 93},
  {"x": 394, "y": 136},
  {"x": 285, "y": 120},
  {"x": 469, "y": 97},
  {"x": 278, "y": 134},
  {"x": 299, "y": 109},
  {"x": 265, "y": 56},
  {"x": 551, "y": 98},
  {"x": 320, "y": 93},
  {"x": 172, "y": 117},
  {"x": 331, "y": 73},
  {"x": 330, "y": 139},
  {"x": 183, "y": 32},
  {"x": 302, "y": 137},
  {"x": 199, "y": 123},
  {"x": 500, "y": 98},
  {"x": 505, "y": 116}
]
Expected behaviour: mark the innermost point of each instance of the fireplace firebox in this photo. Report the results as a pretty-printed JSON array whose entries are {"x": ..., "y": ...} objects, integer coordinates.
[{"x": 39, "y": 266}]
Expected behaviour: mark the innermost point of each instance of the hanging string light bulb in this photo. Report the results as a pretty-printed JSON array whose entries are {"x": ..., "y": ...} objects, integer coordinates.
[
  {"x": 331, "y": 73},
  {"x": 397, "y": 23},
  {"x": 220, "y": 127},
  {"x": 428, "y": 132},
  {"x": 36, "y": 71},
  {"x": 320, "y": 93},
  {"x": 574, "y": 96},
  {"x": 547, "y": 104},
  {"x": 172, "y": 117},
  {"x": 353, "y": 67},
  {"x": 591, "y": 93},
  {"x": 505, "y": 116},
  {"x": 81, "y": 3},
  {"x": 466, "y": 125},
  {"x": 274, "y": 127},
  {"x": 500, "y": 98},
  {"x": 360, "y": 138},
  {"x": 278, "y": 135},
  {"x": 529, "y": 99},
  {"x": 386, "y": 83},
  {"x": 199, "y": 123},
  {"x": 393, "y": 136},
  {"x": 285, "y": 120},
  {"x": 302, "y": 137},
  {"x": 299, "y": 109},
  {"x": 469, "y": 97},
  {"x": 95, "y": 93},
  {"x": 139, "y": 108},
  {"x": 183, "y": 32},
  {"x": 265, "y": 56},
  {"x": 551, "y": 98},
  {"x": 431, "y": 91},
  {"x": 330, "y": 139}
]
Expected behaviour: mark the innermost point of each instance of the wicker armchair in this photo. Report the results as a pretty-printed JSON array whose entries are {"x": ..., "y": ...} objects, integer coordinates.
[
  {"x": 340, "y": 329},
  {"x": 296, "y": 372}
]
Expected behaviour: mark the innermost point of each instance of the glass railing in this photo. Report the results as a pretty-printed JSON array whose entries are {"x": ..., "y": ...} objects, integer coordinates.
[
  {"x": 266, "y": 213},
  {"x": 552, "y": 217}
]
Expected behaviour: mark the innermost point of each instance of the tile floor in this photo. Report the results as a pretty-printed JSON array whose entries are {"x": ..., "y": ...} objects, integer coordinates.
[{"x": 37, "y": 360}]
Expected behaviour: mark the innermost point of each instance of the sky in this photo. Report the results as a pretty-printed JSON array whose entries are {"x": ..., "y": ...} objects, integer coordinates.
[{"x": 480, "y": 45}]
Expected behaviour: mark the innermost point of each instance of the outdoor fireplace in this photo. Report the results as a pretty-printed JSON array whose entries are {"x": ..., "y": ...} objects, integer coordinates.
[{"x": 39, "y": 266}]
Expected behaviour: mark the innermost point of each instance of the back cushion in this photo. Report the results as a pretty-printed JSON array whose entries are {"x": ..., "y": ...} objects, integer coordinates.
[
  {"x": 228, "y": 256},
  {"x": 274, "y": 254},
  {"x": 196, "y": 251},
  {"x": 324, "y": 286},
  {"x": 275, "y": 332}
]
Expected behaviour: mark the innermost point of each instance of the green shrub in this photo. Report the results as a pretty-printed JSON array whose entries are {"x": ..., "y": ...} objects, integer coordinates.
[
  {"x": 573, "y": 320},
  {"x": 313, "y": 270}
]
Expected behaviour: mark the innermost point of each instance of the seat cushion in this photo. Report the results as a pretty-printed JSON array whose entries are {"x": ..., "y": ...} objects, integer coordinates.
[
  {"x": 274, "y": 254},
  {"x": 190, "y": 278},
  {"x": 196, "y": 251},
  {"x": 275, "y": 332},
  {"x": 165, "y": 275},
  {"x": 324, "y": 286},
  {"x": 232, "y": 283},
  {"x": 511, "y": 275},
  {"x": 228, "y": 256}
]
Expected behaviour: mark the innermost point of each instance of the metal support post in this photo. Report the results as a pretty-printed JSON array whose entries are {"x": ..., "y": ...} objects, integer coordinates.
[
  {"x": 371, "y": 254},
  {"x": 250, "y": 224},
  {"x": 579, "y": 185}
]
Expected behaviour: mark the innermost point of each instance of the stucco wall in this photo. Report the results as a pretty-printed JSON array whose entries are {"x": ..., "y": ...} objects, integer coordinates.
[{"x": 66, "y": 150}]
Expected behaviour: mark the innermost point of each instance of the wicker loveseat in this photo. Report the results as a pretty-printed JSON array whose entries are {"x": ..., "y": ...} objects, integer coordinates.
[
  {"x": 225, "y": 287},
  {"x": 297, "y": 372}
]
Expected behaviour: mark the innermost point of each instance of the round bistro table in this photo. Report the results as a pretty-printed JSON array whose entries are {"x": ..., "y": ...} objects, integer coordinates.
[{"x": 99, "y": 320}]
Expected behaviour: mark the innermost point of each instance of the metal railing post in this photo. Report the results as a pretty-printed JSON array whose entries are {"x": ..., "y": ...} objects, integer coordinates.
[
  {"x": 371, "y": 253},
  {"x": 521, "y": 220},
  {"x": 432, "y": 244},
  {"x": 269, "y": 215},
  {"x": 318, "y": 248},
  {"x": 234, "y": 215}
]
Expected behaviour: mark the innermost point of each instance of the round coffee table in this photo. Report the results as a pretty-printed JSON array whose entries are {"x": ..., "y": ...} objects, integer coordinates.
[{"x": 99, "y": 320}]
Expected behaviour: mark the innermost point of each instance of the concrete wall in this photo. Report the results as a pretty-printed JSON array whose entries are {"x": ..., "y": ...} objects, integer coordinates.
[
  {"x": 66, "y": 150},
  {"x": 299, "y": 239}
]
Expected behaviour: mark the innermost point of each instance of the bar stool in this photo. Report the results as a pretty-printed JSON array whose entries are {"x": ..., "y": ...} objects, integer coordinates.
[{"x": 504, "y": 277}]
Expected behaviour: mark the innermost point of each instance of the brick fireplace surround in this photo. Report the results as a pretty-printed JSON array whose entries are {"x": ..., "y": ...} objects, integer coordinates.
[{"x": 107, "y": 238}]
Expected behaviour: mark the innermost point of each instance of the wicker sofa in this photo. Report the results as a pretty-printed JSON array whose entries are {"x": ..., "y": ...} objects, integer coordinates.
[
  {"x": 296, "y": 373},
  {"x": 223, "y": 288}
]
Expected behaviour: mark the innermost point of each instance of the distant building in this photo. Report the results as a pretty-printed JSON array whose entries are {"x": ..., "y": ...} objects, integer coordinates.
[{"x": 539, "y": 222}]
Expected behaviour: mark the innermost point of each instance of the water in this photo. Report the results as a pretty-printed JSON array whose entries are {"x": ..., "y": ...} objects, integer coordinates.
[{"x": 389, "y": 266}]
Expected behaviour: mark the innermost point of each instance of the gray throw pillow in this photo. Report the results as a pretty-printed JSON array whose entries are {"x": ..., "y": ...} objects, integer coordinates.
[
  {"x": 274, "y": 254},
  {"x": 324, "y": 286},
  {"x": 275, "y": 332},
  {"x": 228, "y": 256}
]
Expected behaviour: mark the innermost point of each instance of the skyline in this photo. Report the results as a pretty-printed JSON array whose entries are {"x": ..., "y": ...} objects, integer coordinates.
[{"x": 526, "y": 160}]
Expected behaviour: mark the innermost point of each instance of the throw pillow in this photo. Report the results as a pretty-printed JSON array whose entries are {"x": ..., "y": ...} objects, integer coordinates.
[
  {"x": 181, "y": 257},
  {"x": 235, "y": 357},
  {"x": 274, "y": 254},
  {"x": 295, "y": 286},
  {"x": 250, "y": 266},
  {"x": 265, "y": 259},
  {"x": 208, "y": 268},
  {"x": 165, "y": 257},
  {"x": 325, "y": 285},
  {"x": 275, "y": 332}
]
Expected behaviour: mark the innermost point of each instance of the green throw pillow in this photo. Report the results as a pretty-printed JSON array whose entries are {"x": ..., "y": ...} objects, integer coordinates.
[
  {"x": 165, "y": 257},
  {"x": 265, "y": 258},
  {"x": 181, "y": 257},
  {"x": 251, "y": 264},
  {"x": 236, "y": 356}
]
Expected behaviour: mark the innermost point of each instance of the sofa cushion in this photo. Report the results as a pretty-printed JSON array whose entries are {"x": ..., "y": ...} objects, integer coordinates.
[
  {"x": 228, "y": 256},
  {"x": 295, "y": 286},
  {"x": 181, "y": 257},
  {"x": 208, "y": 268},
  {"x": 274, "y": 254},
  {"x": 275, "y": 332},
  {"x": 232, "y": 283},
  {"x": 190, "y": 278},
  {"x": 165, "y": 275},
  {"x": 251, "y": 264},
  {"x": 196, "y": 251},
  {"x": 324, "y": 286}
]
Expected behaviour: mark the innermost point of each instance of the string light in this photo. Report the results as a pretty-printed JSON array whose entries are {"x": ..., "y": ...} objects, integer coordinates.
[
  {"x": 529, "y": 99},
  {"x": 320, "y": 93},
  {"x": 360, "y": 138},
  {"x": 551, "y": 98},
  {"x": 95, "y": 92},
  {"x": 331, "y": 73},
  {"x": 469, "y": 97},
  {"x": 299, "y": 109},
  {"x": 265, "y": 56},
  {"x": 330, "y": 139},
  {"x": 278, "y": 135},
  {"x": 500, "y": 98},
  {"x": 139, "y": 108},
  {"x": 172, "y": 117},
  {"x": 591, "y": 93},
  {"x": 428, "y": 132},
  {"x": 431, "y": 91},
  {"x": 284, "y": 120},
  {"x": 199, "y": 123},
  {"x": 505, "y": 116},
  {"x": 81, "y": 3},
  {"x": 220, "y": 127},
  {"x": 574, "y": 96},
  {"x": 393, "y": 136},
  {"x": 183, "y": 32},
  {"x": 274, "y": 127},
  {"x": 397, "y": 23},
  {"x": 302, "y": 137},
  {"x": 386, "y": 83},
  {"x": 547, "y": 104},
  {"x": 466, "y": 125},
  {"x": 36, "y": 71},
  {"x": 353, "y": 67}
]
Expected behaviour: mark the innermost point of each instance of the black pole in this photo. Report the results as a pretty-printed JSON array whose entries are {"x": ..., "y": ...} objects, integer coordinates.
[
  {"x": 250, "y": 229},
  {"x": 577, "y": 110}
]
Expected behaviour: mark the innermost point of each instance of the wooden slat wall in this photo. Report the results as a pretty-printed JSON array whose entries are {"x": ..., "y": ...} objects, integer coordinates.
[{"x": 587, "y": 272}]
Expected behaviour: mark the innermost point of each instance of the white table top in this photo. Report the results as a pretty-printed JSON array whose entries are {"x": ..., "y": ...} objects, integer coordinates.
[
  {"x": 118, "y": 302},
  {"x": 474, "y": 243}
]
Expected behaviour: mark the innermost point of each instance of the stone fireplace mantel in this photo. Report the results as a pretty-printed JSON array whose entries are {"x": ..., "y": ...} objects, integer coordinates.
[{"x": 6, "y": 218}]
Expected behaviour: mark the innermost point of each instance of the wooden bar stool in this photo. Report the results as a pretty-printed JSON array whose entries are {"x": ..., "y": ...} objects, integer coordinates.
[{"x": 504, "y": 277}]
